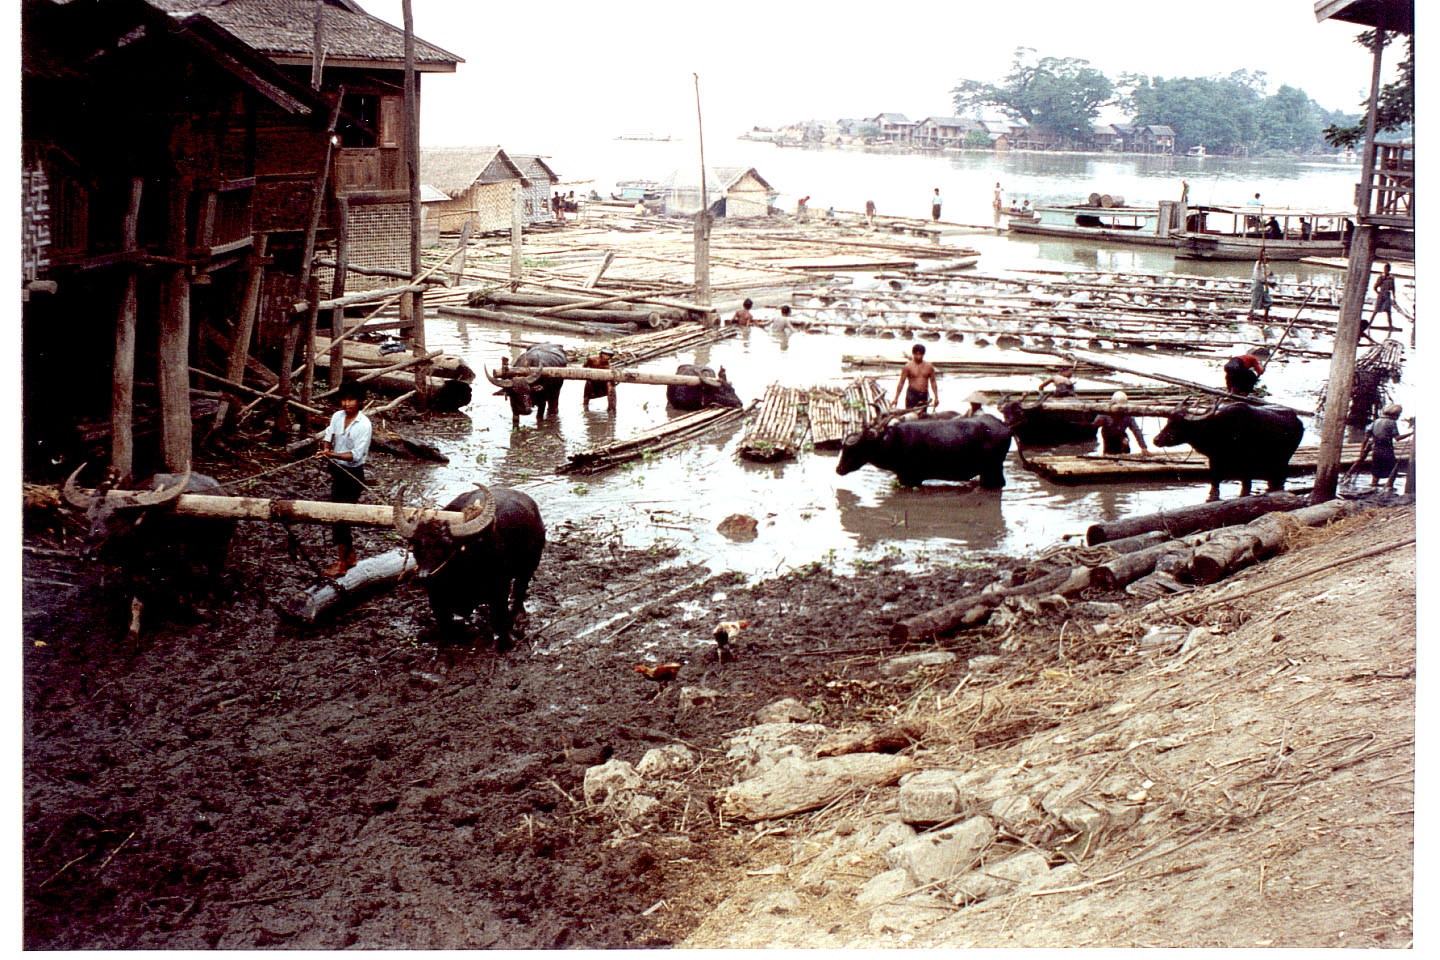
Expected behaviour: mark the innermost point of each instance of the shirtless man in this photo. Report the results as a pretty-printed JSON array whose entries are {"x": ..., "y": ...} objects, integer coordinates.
[
  {"x": 918, "y": 380},
  {"x": 743, "y": 316}
]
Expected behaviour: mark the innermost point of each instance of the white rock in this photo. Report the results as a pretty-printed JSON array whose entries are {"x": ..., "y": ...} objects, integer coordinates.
[
  {"x": 942, "y": 853},
  {"x": 984, "y": 662},
  {"x": 890, "y": 885},
  {"x": 663, "y": 761},
  {"x": 758, "y": 748},
  {"x": 1196, "y": 637},
  {"x": 997, "y": 878},
  {"x": 641, "y": 807},
  {"x": 608, "y": 779},
  {"x": 788, "y": 710},
  {"x": 891, "y": 835},
  {"x": 1097, "y": 608},
  {"x": 697, "y": 697},
  {"x": 929, "y": 797},
  {"x": 794, "y": 786},
  {"x": 1163, "y": 638},
  {"x": 1014, "y": 809},
  {"x": 899, "y": 665}
]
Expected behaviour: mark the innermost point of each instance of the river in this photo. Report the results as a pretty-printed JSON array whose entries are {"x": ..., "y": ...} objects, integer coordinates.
[{"x": 806, "y": 512}]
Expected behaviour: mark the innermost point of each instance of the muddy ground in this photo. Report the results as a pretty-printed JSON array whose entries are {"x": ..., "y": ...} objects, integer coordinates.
[{"x": 239, "y": 781}]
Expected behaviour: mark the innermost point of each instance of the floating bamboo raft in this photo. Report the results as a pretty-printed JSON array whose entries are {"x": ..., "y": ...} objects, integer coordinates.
[
  {"x": 834, "y": 414},
  {"x": 1096, "y": 468},
  {"x": 640, "y": 347},
  {"x": 776, "y": 433},
  {"x": 668, "y": 434}
]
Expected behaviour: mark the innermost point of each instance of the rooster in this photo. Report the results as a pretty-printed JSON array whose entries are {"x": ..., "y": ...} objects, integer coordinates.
[
  {"x": 661, "y": 673},
  {"x": 725, "y": 632}
]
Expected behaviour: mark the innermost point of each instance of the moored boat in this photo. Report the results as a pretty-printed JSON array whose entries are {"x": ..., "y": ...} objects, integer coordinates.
[
  {"x": 1136, "y": 225},
  {"x": 1245, "y": 232}
]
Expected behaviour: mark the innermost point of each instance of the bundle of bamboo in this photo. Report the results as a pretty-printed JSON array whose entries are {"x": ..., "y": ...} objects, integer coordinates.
[{"x": 772, "y": 435}]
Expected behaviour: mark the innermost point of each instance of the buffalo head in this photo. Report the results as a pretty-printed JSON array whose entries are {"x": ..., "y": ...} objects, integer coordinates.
[
  {"x": 519, "y": 387},
  {"x": 112, "y": 518},
  {"x": 435, "y": 542}
]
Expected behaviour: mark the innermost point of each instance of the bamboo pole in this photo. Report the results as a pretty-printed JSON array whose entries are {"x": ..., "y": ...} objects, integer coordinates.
[
  {"x": 337, "y": 290},
  {"x": 174, "y": 346},
  {"x": 244, "y": 325},
  {"x": 122, "y": 397},
  {"x": 289, "y": 511},
  {"x": 312, "y": 320}
]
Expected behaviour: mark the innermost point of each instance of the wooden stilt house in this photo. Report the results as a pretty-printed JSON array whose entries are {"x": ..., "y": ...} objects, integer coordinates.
[
  {"x": 178, "y": 171},
  {"x": 540, "y": 186},
  {"x": 480, "y": 183}
]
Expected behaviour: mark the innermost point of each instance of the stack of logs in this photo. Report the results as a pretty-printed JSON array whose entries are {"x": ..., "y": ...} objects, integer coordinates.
[
  {"x": 1145, "y": 556},
  {"x": 772, "y": 435},
  {"x": 833, "y": 415}
]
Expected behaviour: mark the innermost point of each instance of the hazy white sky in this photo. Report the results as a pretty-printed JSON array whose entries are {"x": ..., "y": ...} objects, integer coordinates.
[{"x": 532, "y": 70}]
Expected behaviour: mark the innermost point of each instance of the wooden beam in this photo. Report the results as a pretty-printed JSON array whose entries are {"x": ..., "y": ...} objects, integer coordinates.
[
  {"x": 317, "y": 200},
  {"x": 337, "y": 291},
  {"x": 122, "y": 397},
  {"x": 289, "y": 511},
  {"x": 244, "y": 326}
]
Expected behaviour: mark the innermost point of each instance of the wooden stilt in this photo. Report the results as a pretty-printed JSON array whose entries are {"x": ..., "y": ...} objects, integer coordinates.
[
  {"x": 174, "y": 346},
  {"x": 312, "y": 323},
  {"x": 122, "y": 398},
  {"x": 244, "y": 326}
]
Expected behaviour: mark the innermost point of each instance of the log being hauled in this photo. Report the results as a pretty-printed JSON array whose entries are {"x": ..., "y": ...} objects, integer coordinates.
[
  {"x": 290, "y": 511},
  {"x": 370, "y": 575},
  {"x": 443, "y": 365},
  {"x": 626, "y": 376}
]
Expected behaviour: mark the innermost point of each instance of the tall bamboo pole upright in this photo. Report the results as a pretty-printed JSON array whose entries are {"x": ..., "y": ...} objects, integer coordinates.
[
  {"x": 122, "y": 396},
  {"x": 416, "y": 301},
  {"x": 337, "y": 290},
  {"x": 702, "y": 219},
  {"x": 1352, "y": 307},
  {"x": 516, "y": 216}
]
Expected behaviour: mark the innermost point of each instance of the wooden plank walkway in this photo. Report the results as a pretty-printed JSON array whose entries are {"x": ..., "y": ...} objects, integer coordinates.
[{"x": 1132, "y": 467}]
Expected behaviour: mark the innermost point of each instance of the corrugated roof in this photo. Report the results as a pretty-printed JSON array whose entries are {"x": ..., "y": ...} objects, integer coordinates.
[
  {"x": 286, "y": 28},
  {"x": 453, "y": 169}
]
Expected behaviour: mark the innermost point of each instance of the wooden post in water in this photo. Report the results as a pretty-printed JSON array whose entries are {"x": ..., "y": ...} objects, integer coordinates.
[
  {"x": 702, "y": 220},
  {"x": 122, "y": 396},
  {"x": 1352, "y": 308},
  {"x": 515, "y": 236},
  {"x": 337, "y": 290}
]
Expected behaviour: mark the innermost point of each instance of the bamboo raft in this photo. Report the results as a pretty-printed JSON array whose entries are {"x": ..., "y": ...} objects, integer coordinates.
[
  {"x": 834, "y": 414},
  {"x": 1097, "y": 468},
  {"x": 773, "y": 434},
  {"x": 669, "y": 434}
]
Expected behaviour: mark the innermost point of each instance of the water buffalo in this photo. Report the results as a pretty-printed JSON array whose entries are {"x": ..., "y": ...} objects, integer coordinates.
[
  {"x": 476, "y": 560},
  {"x": 957, "y": 448},
  {"x": 1047, "y": 427},
  {"x": 704, "y": 395},
  {"x": 531, "y": 391},
  {"x": 158, "y": 555},
  {"x": 1243, "y": 441}
]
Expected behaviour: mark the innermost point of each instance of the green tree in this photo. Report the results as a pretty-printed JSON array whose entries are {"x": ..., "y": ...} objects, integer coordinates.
[
  {"x": 1220, "y": 114},
  {"x": 1289, "y": 121},
  {"x": 1062, "y": 95},
  {"x": 1395, "y": 111},
  {"x": 976, "y": 140}
]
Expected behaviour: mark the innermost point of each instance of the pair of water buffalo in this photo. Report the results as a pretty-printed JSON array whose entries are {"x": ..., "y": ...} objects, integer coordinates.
[
  {"x": 487, "y": 557},
  {"x": 528, "y": 390},
  {"x": 1241, "y": 441}
]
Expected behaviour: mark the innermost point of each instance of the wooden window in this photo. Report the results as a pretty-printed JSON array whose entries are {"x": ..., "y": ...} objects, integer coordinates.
[{"x": 392, "y": 122}]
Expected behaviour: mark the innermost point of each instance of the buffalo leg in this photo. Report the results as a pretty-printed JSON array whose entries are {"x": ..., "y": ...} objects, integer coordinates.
[
  {"x": 517, "y": 605},
  {"x": 499, "y": 607},
  {"x": 993, "y": 479}
]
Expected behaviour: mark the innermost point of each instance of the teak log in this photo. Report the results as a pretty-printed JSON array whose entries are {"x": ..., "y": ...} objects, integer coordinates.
[
  {"x": 355, "y": 299},
  {"x": 1186, "y": 520},
  {"x": 1224, "y": 554},
  {"x": 289, "y": 511},
  {"x": 442, "y": 364},
  {"x": 973, "y": 607},
  {"x": 382, "y": 571},
  {"x": 122, "y": 401},
  {"x": 624, "y": 376},
  {"x": 527, "y": 320}
]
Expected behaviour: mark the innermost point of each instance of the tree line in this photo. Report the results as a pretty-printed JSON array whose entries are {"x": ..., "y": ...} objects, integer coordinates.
[{"x": 1234, "y": 114}]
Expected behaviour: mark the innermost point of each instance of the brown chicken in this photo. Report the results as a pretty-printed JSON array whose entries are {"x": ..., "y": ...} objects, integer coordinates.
[
  {"x": 661, "y": 673},
  {"x": 726, "y": 632}
]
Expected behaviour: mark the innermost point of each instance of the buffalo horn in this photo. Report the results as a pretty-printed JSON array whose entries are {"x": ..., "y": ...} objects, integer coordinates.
[
  {"x": 154, "y": 498},
  {"x": 74, "y": 494},
  {"x": 477, "y": 516},
  {"x": 501, "y": 383},
  {"x": 532, "y": 379},
  {"x": 406, "y": 528}
]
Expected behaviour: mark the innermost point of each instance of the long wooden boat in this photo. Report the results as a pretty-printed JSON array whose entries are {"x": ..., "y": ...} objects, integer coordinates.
[
  {"x": 1245, "y": 232},
  {"x": 1132, "y": 225}
]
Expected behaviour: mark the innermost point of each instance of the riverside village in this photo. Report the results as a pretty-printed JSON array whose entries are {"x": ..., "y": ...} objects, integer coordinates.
[{"x": 990, "y": 529}]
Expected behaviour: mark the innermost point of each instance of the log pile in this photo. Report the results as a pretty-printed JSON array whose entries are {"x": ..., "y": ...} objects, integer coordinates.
[
  {"x": 1201, "y": 557},
  {"x": 773, "y": 433},
  {"x": 668, "y": 434}
]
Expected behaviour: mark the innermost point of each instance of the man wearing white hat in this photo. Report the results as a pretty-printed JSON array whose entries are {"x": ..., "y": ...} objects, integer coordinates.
[{"x": 1113, "y": 426}]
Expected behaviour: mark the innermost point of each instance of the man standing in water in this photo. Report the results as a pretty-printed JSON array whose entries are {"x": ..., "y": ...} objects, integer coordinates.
[{"x": 917, "y": 379}]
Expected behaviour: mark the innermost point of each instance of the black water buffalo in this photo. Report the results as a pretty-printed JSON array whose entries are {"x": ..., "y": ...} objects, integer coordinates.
[
  {"x": 1243, "y": 441},
  {"x": 704, "y": 395},
  {"x": 159, "y": 556},
  {"x": 1047, "y": 426},
  {"x": 957, "y": 448},
  {"x": 476, "y": 560},
  {"x": 531, "y": 391}
]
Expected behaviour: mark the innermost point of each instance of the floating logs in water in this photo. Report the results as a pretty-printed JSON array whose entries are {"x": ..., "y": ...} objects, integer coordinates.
[{"x": 668, "y": 434}]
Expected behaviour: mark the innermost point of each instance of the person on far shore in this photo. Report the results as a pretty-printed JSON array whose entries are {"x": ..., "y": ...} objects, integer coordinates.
[
  {"x": 917, "y": 379},
  {"x": 999, "y": 202},
  {"x": 1384, "y": 300},
  {"x": 935, "y": 205},
  {"x": 801, "y": 213},
  {"x": 870, "y": 213}
]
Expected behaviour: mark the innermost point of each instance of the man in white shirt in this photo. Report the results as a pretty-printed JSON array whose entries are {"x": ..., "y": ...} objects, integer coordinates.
[
  {"x": 935, "y": 205},
  {"x": 346, "y": 445}
]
